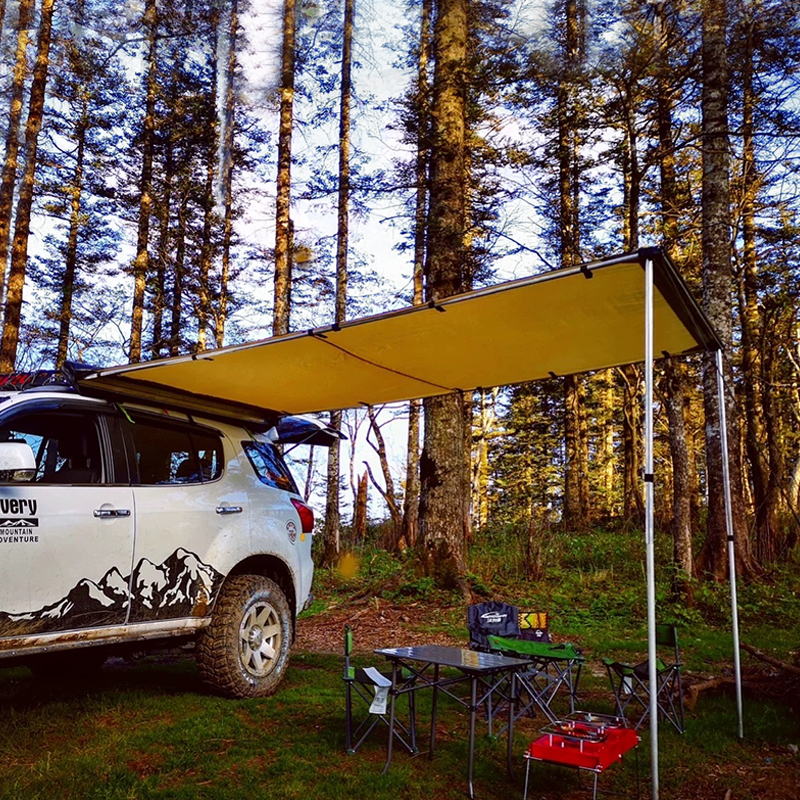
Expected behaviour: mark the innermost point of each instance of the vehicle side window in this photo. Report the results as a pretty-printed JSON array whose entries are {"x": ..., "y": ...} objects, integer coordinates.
[
  {"x": 66, "y": 445},
  {"x": 171, "y": 454},
  {"x": 269, "y": 466},
  {"x": 209, "y": 454}
]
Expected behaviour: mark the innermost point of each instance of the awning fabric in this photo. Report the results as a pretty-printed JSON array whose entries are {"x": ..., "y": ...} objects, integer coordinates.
[{"x": 558, "y": 323}]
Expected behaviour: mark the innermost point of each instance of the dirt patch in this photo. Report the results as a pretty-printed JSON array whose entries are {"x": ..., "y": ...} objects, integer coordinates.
[{"x": 374, "y": 625}]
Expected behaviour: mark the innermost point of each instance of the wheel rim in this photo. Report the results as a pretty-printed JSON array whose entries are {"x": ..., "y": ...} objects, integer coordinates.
[{"x": 260, "y": 639}]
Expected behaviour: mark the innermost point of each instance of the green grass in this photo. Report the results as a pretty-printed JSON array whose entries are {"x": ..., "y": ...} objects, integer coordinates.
[{"x": 150, "y": 731}]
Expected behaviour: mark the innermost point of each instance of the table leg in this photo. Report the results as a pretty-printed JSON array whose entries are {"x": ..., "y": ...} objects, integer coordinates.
[
  {"x": 511, "y": 726},
  {"x": 434, "y": 709},
  {"x": 473, "y": 710},
  {"x": 391, "y": 717}
]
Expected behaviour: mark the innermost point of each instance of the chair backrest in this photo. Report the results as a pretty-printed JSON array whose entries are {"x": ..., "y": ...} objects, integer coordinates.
[
  {"x": 667, "y": 636},
  {"x": 348, "y": 651},
  {"x": 348, "y": 641},
  {"x": 534, "y": 626},
  {"x": 492, "y": 618}
]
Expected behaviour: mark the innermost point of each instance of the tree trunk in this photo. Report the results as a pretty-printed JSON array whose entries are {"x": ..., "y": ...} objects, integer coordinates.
[
  {"x": 683, "y": 559},
  {"x": 308, "y": 485},
  {"x": 283, "y": 226},
  {"x": 142, "y": 262},
  {"x": 411, "y": 499},
  {"x": 576, "y": 494},
  {"x": 767, "y": 533},
  {"x": 486, "y": 425},
  {"x": 607, "y": 436},
  {"x": 576, "y": 468},
  {"x": 176, "y": 321},
  {"x": 71, "y": 260},
  {"x": 674, "y": 371},
  {"x": 410, "y": 532},
  {"x": 164, "y": 250},
  {"x": 10, "y": 164},
  {"x": 717, "y": 302},
  {"x": 632, "y": 501},
  {"x": 388, "y": 493},
  {"x": 443, "y": 473},
  {"x": 228, "y": 137},
  {"x": 332, "y": 522},
  {"x": 360, "y": 510},
  {"x": 331, "y": 531},
  {"x": 211, "y": 148},
  {"x": 19, "y": 248}
]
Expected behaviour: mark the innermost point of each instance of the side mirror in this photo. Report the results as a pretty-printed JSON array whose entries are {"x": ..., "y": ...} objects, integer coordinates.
[
  {"x": 303, "y": 430},
  {"x": 17, "y": 462}
]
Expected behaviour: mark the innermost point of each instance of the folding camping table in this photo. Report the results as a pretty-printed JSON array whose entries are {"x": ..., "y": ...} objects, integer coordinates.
[
  {"x": 583, "y": 741},
  {"x": 481, "y": 670}
]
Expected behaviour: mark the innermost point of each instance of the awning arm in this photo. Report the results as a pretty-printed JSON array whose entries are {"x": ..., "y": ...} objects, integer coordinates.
[
  {"x": 649, "y": 527},
  {"x": 726, "y": 480}
]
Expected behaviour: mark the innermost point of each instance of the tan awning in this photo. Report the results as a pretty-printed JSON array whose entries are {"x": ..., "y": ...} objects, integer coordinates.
[{"x": 558, "y": 323}]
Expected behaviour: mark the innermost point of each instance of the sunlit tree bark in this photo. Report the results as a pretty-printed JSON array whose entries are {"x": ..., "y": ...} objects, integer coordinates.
[
  {"x": 10, "y": 163},
  {"x": 332, "y": 514},
  {"x": 444, "y": 477},
  {"x": 717, "y": 285},
  {"x": 141, "y": 264},
  {"x": 283, "y": 225},
  {"x": 422, "y": 107},
  {"x": 22, "y": 223}
]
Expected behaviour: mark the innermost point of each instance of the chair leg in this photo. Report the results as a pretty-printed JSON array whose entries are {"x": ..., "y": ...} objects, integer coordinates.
[
  {"x": 680, "y": 699},
  {"x": 354, "y": 738},
  {"x": 616, "y": 680},
  {"x": 348, "y": 725},
  {"x": 668, "y": 683}
]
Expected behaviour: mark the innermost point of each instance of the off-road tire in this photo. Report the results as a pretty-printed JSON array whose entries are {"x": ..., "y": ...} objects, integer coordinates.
[{"x": 244, "y": 652}]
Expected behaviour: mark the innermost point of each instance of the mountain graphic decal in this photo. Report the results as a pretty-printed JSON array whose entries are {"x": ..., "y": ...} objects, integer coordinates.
[
  {"x": 28, "y": 522},
  {"x": 181, "y": 586}
]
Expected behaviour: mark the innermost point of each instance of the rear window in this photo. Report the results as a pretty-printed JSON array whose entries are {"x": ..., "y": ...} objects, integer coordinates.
[{"x": 269, "y": 466}]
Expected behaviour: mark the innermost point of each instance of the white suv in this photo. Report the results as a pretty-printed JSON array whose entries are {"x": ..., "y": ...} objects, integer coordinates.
[{"x": 126, "y": 526}]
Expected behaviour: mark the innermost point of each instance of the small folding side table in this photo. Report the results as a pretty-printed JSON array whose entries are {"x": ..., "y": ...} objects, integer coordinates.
[{"x": 586, "y": 741}]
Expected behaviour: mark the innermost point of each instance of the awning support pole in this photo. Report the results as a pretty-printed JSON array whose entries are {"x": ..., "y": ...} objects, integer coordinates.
[
  {"x": 726, "y": 480},
  {"x": 649, "y": 527}
]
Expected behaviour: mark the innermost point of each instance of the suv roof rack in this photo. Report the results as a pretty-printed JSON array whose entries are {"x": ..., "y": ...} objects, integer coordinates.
[{"x": 64, "y": 379}]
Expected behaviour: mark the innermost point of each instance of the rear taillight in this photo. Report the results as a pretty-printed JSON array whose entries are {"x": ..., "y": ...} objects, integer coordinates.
[{"x": 306, "y": 515}]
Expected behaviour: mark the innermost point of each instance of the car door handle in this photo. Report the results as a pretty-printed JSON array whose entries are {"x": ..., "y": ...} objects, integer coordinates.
[
  {"x": 104, "y": 513},
  {"x": 229, "y": 509}
]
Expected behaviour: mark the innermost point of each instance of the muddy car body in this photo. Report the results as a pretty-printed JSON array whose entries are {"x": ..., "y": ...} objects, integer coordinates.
[{"x": 124, "y": 525}]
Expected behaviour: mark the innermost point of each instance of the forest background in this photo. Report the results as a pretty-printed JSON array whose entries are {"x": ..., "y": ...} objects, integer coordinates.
[{"x": 178, "y": 177}]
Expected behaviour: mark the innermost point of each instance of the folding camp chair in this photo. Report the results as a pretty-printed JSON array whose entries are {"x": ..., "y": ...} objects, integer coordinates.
[
  {"x": 373, "y": 688},
  {"x": 561, "y": 662},
  {"x": 501, "y": 628},
  {"x": 631, "y": 684}
]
